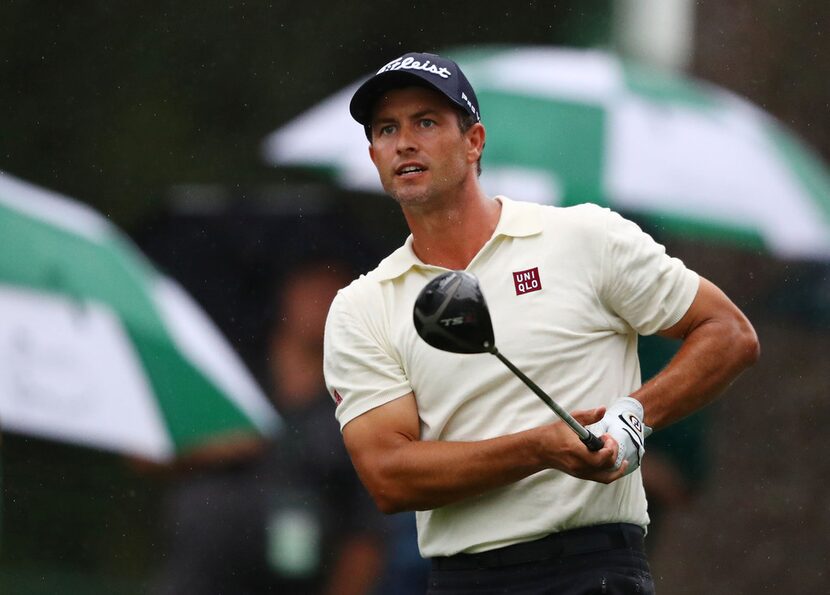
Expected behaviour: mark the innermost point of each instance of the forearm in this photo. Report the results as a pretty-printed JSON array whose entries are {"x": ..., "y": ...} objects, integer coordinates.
[
  {"x": 421, "y": 475},
  {"x": 714, "y": 352},
  {"x": 403, "y": 472}
]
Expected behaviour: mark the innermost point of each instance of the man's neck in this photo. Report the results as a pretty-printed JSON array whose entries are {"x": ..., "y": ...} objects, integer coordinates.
[{"x": 451, "y": 236}]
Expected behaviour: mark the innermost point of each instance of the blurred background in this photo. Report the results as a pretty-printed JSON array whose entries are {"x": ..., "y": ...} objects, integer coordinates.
[{"x": 155, "y": 115}]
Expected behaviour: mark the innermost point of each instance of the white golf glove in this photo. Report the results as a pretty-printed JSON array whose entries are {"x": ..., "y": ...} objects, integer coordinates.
[{"x": 623, "y": 420}]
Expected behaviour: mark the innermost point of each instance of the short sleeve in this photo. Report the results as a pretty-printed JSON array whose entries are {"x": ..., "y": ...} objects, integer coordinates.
[
  {"x": 361, "y": 367},
  {"x": 640, "y": 283}
]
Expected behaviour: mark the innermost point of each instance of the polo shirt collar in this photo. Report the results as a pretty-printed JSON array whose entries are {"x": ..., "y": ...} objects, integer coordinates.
[{"x": 517, "y": 219}]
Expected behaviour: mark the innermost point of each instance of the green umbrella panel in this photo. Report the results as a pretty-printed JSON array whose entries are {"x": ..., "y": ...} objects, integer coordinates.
[{"x": 64, "y": 256}]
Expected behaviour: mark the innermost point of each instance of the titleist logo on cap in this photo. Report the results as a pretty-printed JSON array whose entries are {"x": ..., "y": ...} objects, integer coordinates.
[{"x": 413, "y": 64}]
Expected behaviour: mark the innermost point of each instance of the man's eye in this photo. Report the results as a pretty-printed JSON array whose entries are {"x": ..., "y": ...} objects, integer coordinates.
[
  {"x": 384, "y": 130},
  {"x": 427, "y": 123}
]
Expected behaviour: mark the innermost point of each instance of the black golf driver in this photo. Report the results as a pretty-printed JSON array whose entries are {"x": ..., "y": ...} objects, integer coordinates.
[{"x": 451, "y": 315}]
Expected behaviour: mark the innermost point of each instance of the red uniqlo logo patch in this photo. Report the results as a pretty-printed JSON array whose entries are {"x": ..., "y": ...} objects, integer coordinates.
[
  {"x": 337, "y": 398},
  {"x": 527, "y": 281}
]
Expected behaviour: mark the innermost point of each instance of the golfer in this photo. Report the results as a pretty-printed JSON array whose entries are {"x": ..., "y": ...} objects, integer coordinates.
[{"x": 507, "y": 498}]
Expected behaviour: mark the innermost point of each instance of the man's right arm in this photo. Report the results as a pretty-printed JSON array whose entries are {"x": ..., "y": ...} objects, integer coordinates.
[{"x": 402, "y": 472}]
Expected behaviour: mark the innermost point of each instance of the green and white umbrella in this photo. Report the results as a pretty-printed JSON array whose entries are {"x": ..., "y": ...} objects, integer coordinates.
[
  {"x": 566, "y": 126},
  {"x": 97, "y": 348}
]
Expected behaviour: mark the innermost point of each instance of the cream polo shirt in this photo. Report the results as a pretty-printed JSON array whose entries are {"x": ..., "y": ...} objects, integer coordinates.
[{"x": 568, "y": 289}]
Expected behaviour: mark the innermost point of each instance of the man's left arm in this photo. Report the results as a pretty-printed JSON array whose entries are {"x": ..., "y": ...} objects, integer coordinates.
[{"x": 718, "y": 344}]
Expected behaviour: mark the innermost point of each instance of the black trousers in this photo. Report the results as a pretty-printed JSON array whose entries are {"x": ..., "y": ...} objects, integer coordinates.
[{"x": 605, "y": 559}]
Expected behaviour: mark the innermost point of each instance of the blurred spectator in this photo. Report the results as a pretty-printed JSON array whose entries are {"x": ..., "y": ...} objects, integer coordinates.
[
  {"x": 294, "y": 518},
  {"x": 405, "y": 572}
]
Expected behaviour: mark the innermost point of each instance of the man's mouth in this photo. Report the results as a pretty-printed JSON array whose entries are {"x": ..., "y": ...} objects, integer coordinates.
[{"x": 410, "y": 170}]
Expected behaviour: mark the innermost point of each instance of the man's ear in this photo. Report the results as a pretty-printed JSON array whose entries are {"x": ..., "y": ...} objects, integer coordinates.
[
  {"x": 476, "y": 137},
  {"x": 372, "y": 153}
]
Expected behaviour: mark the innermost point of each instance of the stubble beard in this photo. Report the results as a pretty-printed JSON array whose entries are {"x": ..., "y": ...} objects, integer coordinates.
[
  {"x": 414, "y": 198},
  {"x": 409, "y": 198}
]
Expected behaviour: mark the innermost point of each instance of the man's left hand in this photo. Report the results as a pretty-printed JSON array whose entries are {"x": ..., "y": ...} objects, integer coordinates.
[{"x": 624, "y": 422}]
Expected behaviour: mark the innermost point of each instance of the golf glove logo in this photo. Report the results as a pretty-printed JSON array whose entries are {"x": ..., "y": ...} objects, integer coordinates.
[{"x": 635, "y": 423}]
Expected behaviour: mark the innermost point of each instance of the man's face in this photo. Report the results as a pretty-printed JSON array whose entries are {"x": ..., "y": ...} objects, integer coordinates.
[{"x": 418, "y": 148}]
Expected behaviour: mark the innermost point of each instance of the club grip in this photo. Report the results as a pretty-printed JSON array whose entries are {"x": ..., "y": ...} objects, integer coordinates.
[{"x": 594, "y": 443}]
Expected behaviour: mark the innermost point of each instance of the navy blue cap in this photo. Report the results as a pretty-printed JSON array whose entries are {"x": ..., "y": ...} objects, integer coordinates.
[{"x": 430, "y": 70}]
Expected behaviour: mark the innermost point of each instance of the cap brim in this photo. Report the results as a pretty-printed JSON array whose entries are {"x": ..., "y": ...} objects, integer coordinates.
[{"x": 364, "y": 99}]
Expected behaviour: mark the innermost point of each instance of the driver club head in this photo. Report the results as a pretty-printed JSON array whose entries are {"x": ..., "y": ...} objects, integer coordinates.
[{"x": 451, "y": 314}]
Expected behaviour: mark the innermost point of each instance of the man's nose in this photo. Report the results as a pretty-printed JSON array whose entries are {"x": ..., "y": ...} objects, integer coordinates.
[{"x": 406, "y": 139}]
